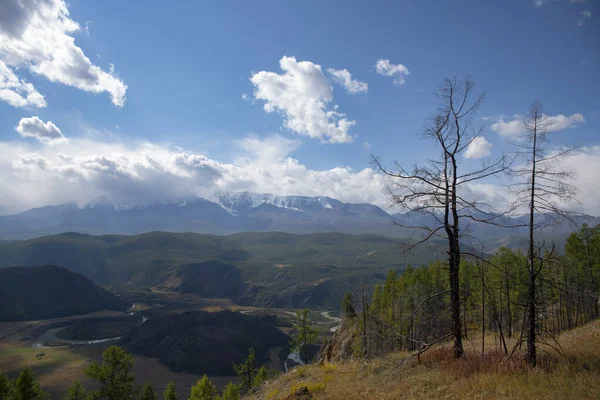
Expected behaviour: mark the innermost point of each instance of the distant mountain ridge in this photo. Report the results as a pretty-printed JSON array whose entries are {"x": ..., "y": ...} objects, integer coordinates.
[{"x": 242, "y": 212}]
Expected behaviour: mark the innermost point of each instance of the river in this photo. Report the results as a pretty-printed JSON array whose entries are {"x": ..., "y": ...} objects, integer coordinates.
[{"x": 50, "y": 336}]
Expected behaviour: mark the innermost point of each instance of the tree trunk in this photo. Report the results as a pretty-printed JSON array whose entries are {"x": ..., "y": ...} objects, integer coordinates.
[{"x": 531, "y": 350}]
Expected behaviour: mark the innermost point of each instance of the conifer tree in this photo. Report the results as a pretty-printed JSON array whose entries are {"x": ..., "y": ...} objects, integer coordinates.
[
  {"x": 170, "y": 393},
  {"x": 76, "y": 392},
  {"x": 305, "y": 334},
  {"x": 348, "y": 306},
  {"x": 148, "y": 392},
  {"x": 203, "y": 390},
  {"x": 247, "y": 370},
  {"x": 27, "y": 388},
  {"x": 5, "y": 386},
  {"x": 231, "y": 392},
  {"x": 114, "y": 375},
  {"x": 261, "y": 376}
]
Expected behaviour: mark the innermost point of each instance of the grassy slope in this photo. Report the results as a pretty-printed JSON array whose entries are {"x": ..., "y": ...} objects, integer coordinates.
[{"x": 574, "y": 376}]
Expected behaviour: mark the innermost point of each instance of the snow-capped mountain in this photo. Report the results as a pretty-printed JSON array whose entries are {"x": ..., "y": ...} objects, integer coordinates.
[
  {"x": 240, "y": 203},
  {"x": 238, "y": 212}
]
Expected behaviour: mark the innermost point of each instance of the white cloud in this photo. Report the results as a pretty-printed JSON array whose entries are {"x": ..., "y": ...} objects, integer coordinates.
[
  {"x": 84, "y": 169},
  {"x": 367, "y": 146},
  {"x": 398, "y": 71},
  {"x": 45, "y": 132},
  {"x": 540, "y": 3},
  {"x": 478, "y": 148},
  {"x": 513, "y": 128},
  {"x": 584, "y": 16},
  {"x": 344, "y": 78},
  {"x": 302, "y": 94},
  {"x": 36, "y": 34},
  {"x": 18, "y": 92}
]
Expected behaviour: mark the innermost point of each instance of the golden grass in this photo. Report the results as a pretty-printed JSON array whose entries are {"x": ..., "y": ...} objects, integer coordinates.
[{"x": 574, "y": 375}]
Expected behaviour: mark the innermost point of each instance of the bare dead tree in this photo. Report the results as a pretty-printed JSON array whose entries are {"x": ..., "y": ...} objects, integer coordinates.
[
  {"x": 543, "y": 188},
  {"x": 437, "y": 189}
]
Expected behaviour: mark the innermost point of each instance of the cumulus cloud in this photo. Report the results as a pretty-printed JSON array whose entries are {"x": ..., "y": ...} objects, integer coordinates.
[
  {"x": 37, "y": 35},
  {"x": 583, "y": 17},
  {"x": 344, "y": 78},
  {"x": 303, "y": 95},
  {"x": 478, "y": 148},
  {"x": 513, "y": 128},
  {"x": 398, "y": 71},
  {"x": 83, "y": 169},
  {"x": 18, "y": 92},
  {"x": 45, "y": 132}
]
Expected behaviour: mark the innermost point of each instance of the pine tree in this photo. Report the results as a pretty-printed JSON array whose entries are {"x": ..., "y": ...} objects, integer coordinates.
[
  {"x": 247, "y": 370},
  {"x": 170, "y": 393},
  {"x": 147, "y": 392},
  {"x": 76, "y": 392},
  {"x": 27, "y": 388},
  {"x": 231, "y": 392},
  {"x": 203, "y": 390},
  {"x": 261, "y": 376},
  {"x": 348, "y": 306},
  {"x": 114, "y": 375},
  {"x": 305, "y": 334},
  {"x": 5, "y": 386}
]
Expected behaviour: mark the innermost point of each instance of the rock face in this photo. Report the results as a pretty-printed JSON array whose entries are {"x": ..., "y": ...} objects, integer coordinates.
[
  {"x": 205, "y": 343},
  {"x": 339, "y": 347},
  {"x": 29, "y": 293}
]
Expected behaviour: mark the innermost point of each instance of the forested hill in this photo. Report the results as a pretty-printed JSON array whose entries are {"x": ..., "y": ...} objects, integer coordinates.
[
  {"x": 275, "y": 269},
  {"x": 49, "y": 292}
]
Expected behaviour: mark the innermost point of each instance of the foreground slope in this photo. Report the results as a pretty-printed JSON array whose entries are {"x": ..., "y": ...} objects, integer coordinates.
[
  {"x": 28, "y": 293},
  {"x": 573, "y": 375}
]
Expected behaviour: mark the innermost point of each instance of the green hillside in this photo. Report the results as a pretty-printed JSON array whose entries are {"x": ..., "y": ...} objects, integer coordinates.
[
  {"x": 278, "y": 269},
  {"x": 50, "y": 292}
]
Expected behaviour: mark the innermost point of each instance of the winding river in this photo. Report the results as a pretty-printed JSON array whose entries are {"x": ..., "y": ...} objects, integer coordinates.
[{"x": 50, "y": 336}]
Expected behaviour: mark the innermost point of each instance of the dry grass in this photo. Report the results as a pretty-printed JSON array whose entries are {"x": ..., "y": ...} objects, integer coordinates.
[{"x": 574, "y": 375}]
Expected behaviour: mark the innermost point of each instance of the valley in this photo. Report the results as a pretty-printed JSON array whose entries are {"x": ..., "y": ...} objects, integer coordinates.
[
  {"x": 262, "y": 269},
  {"x": 58, "y": 349}
]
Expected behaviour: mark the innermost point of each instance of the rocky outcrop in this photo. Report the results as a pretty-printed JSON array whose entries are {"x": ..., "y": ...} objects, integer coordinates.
[{"x": 339, "y": 347}]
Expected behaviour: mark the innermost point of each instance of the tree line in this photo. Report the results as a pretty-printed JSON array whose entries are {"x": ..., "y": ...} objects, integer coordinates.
[
  {"x": 410, "y": 311},
  {"x": 441, "y": 190}
]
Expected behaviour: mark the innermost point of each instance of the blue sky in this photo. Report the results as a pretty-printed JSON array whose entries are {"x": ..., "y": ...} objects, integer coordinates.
[{"x": 186, "y": 66}]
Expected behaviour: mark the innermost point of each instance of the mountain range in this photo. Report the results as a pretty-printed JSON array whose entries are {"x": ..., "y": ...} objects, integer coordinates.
[{"x": 245, "y": 212}]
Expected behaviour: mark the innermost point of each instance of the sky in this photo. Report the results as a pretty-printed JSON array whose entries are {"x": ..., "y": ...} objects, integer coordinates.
[{"x": 144, "y": 101}]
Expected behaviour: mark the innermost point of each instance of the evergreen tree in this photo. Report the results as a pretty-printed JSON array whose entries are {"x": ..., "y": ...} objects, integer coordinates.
[
  {"x": 261, "y": 376},
  {"x": 247, "y": 370},
  {"x": 114, "y": 375},
  {"x": 305, "y": 334},
  {"x": 5, "y": 386},
  {"x": 76, "y": 392},
  {"x": 348, "y": 306},
  {"x": 203, "y": 390},
  {"x": 27, "y": 388},
  {"x": 147, "y": 392},
  {"x": 170, "y": 393},
  {"x": 231, "y": 392}
]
